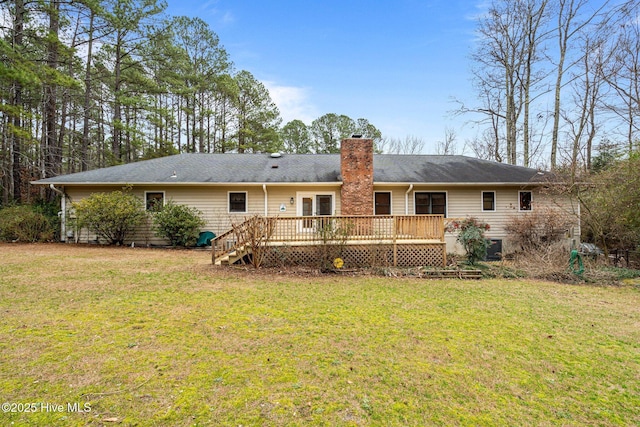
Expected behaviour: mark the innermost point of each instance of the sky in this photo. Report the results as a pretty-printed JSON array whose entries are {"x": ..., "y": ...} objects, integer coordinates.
[{"x": 399, "y": 64}]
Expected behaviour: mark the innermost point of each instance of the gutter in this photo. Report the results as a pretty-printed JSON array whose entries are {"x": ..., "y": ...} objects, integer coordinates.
[
  {"x": 406, "y": 199},
  {"x": 465, "y": 184},
  {"x": 63, "y": 213},
  {"x": 266, "y": 200},
  {"x": 193, "y": 184}
]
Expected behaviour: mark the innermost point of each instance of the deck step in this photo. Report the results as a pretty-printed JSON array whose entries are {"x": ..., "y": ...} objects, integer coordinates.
[
  {"x": 459, "y": 274},
  {"x": 232, "y": 257}
]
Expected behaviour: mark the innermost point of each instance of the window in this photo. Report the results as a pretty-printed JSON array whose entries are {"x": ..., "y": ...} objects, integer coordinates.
[
  {"x": 238, "y": 202},
  {"x": 525, "y": 200},
  {"x": 431, "y": 203},
  {"x": 382, "y": 203},
  {"x": 154, "y": 201},
  {"x": 488, "y": 201},
  {"x": 324, "y": 204}
]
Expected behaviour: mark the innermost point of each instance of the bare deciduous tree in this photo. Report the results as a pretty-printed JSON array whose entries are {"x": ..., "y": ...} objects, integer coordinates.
[
  {"x": 408, "y": 145},
  {"x": 623, "y": 74},
  {"x": 511, "y": 43},
  {"x": 571, "y": 23},
  {"x": 447, "y": 146}
]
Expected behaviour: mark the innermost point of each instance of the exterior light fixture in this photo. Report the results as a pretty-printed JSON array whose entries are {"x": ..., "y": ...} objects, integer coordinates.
[{"x": 291, "y": 201}]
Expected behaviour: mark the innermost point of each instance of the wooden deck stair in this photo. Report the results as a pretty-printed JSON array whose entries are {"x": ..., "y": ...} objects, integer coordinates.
[
  {"x": 452, "y": 274},
  {"x": 235, "y": 244},
  {"x": 233, "y": 256}
]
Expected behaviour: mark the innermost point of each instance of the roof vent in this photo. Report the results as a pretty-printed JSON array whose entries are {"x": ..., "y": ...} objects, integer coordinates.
[
  {"x": 356, "y": 135},
  {"x": 275, "y": 155}
]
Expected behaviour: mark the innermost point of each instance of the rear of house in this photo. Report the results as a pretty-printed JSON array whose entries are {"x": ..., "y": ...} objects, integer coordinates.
[{"x": 228, "y": 188}]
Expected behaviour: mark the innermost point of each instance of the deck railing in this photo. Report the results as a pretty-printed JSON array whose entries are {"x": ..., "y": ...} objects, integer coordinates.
[
  {"x": 336, "y": 229},
  {"x": 374, "y": 228}
]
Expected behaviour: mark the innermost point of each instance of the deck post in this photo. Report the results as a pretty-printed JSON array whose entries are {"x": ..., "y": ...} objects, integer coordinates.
[{"x": 395, "y": 241}]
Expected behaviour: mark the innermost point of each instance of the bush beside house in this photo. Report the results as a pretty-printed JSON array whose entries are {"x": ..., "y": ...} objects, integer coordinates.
[
  {"x": 111, "y": 216},
  {"x": 471, "y": 237},
  {"x": 179, "y": 224}
]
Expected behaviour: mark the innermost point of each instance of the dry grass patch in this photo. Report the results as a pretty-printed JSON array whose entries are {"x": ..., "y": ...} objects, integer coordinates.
[{"x": 155, "y": 337}]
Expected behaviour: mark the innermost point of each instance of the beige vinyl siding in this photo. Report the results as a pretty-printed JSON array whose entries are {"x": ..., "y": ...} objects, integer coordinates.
[
  {"x": 281, "y": 195},
  {"x": 467, "y": 202},
  {"x": 212, "y": 201}
]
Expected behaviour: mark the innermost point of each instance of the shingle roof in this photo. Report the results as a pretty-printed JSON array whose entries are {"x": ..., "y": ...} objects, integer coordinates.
[{"x": 300, "y": 168}]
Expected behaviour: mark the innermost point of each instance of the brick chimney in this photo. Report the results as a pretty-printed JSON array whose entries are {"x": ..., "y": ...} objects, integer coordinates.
[{"x": 356, "y": 167}]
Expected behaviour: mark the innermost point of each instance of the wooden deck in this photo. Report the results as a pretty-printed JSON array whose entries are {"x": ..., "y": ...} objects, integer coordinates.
[{"x": 379, "y": 230}]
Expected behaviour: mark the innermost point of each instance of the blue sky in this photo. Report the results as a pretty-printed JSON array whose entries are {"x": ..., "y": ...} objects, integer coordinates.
[{"x": 396, "y": 63}]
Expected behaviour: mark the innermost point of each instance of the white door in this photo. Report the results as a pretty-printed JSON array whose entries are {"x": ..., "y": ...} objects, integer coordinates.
[{"x": 314, "y": 204}]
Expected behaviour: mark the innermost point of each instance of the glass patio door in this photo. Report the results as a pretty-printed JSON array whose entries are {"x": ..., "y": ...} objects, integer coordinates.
[
  {"x": 307, "y": 210},
  {"x": 314, "y": 205}
]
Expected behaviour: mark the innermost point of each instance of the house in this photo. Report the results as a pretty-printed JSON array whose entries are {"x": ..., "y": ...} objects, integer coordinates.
[{"x": 227, "y": 188}]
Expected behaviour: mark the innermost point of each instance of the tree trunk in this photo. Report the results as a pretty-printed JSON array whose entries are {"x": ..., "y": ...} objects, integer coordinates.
[
  {"x": 16, "y": 139},
  {"x": 116, "y": 139},
  {"x": 53, "y": 152},
  {"x": 86, "y": 110}
]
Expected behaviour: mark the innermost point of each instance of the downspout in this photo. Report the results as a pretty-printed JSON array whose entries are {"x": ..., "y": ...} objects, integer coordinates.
[
  {"x": 62, "y": 214},
  {"x": 406, "y": 200},
  {"x": 266, "y": 200}
]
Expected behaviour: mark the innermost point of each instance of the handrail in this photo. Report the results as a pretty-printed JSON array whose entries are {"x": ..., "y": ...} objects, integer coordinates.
[
  {"x": 229, "y": 241},
  {"x": 367, "y": 228},
  {"x": 334, "y": 229}
]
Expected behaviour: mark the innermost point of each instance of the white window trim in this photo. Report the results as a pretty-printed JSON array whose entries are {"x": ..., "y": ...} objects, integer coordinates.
[
  {"x": 164, "y": 198},
  {"x": 519, "y": 204},
  {"x": 495, "y": 201},
  {"x": 446, "y": 200},
  {"x": 246, "y": 202},
  {"x": 390, "y": 201}
]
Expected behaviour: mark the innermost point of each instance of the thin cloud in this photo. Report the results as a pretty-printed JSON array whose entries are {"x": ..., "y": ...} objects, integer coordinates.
[
  {"x": 224, "y": 17},
  {"x": 481, "y": 9},
  {"x": 293, "y": 102},
  {"x": 228, "y": 18}
]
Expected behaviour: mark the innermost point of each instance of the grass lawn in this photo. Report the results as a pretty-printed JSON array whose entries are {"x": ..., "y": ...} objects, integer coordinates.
[{"x": 161, "y": 337}]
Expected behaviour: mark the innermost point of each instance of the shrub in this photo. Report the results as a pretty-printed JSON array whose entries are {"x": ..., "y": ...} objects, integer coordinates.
[
  {"x": 471, "y": 237},
  {"x": 538, "y": 229},
  {"x": 24, "y": 224},
  {"x": 51, "y": 211},
  {"x": 333, "y": 236},
  {"x": 610, "y": 214},
  {"x": 179, "y": 224},
  {"x": 112, "y": 216}
]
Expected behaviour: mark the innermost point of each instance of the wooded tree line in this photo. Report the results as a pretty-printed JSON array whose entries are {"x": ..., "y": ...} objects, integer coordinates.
[
  {"x": 93, "y": 83},
  {"x": 557, "y": 81}
]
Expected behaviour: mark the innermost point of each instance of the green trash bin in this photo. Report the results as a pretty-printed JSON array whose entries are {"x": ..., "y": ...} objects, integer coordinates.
[{"x": 204, "y": 238}]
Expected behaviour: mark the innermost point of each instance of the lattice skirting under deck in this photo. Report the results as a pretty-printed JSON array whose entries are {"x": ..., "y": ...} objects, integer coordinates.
[{"x": 403, "y": 255}]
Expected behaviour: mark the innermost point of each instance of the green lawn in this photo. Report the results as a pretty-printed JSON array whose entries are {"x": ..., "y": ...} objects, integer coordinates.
[{"x": 160, "y": 337}]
